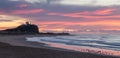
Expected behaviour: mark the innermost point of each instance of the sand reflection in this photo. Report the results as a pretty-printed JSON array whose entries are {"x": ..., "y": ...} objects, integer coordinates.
[{"x": 85, "y": 49}]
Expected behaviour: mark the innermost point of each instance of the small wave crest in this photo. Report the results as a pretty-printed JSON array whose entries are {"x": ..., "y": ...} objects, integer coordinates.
[{"x": 91, "y": 44}]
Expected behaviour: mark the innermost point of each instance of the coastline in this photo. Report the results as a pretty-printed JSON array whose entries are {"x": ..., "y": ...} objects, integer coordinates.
[{"x": 17, "y": 42}]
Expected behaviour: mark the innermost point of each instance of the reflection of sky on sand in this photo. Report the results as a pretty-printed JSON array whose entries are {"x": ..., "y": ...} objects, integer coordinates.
[{"x": 83, "y": 49}]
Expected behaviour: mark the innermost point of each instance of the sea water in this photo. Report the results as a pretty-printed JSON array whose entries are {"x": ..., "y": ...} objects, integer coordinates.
[{"x": 106, "y": 44}]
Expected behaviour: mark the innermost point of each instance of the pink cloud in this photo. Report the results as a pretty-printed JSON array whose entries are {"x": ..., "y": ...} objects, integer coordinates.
[
  {"x": 23, "y": 5},
  {"x": 53, "y": 13},
  {"x": 104, "y": 11},
  {"x": 31, "y": 11},
  {"x": 79, "y": 26},
  {"x": 89, "y": 14}
]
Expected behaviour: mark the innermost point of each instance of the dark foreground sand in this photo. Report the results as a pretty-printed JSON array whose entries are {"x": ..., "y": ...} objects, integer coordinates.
[{"x": 19, "y": 48}]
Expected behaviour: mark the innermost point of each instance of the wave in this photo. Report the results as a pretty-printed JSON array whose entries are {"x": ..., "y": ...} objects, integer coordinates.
[{"x": 100, "y": 44}]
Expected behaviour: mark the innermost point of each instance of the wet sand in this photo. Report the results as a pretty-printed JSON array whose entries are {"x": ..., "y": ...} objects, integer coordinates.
[{"x": 15, "y": 46}]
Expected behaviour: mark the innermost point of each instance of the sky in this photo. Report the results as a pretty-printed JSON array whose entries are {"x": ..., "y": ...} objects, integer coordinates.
[{"x": 75, "y": 16}]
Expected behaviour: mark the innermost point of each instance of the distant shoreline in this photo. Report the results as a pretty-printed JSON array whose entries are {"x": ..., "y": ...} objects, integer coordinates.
[{"x": 18, "y": 33}]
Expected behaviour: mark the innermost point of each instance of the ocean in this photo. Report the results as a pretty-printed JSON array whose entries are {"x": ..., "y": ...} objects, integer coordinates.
[{"x": 105, "y": 44}]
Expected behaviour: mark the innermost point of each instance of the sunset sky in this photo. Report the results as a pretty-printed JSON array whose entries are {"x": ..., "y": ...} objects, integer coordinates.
[{"x": 76, "y": 16}]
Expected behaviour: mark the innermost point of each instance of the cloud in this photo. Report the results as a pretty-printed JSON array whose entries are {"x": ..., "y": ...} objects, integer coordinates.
[
  {"x": 30, "y": 11},
  {"x": 23, "y": 5},
  {"x": 101, "y": 14},
  {"x": 76, "y": 2},
  {"x": 91, "y": 2},
  {"x": 33, "y": 1},
  {"x": 48, "y": 2},
  {"x": 105, "y": 11},
  {"x": 2, "y": 20},
  {"x": 51, "y": 1},
  {"x": 97, "y": 26},
  {"x": 9, "y": 5},
  {"x": 102, "y": 23},
  {"x": 62, "y": 14}
]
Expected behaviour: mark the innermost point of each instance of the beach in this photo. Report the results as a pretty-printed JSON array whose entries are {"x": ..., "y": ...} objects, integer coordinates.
[{"x": 15, "y": 46}]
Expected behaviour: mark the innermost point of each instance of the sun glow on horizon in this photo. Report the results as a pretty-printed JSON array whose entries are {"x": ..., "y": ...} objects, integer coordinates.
[{"x": 7, "y": 21}]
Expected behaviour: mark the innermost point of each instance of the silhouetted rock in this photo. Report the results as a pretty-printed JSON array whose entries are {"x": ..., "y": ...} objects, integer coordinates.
[
  {"x": 24, "y": 28},
  {"x": 27, "y": 29}
]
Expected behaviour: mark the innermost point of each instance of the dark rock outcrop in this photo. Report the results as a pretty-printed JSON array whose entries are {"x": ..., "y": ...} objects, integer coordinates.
[
  {"x": 24, "y": 28},
  {"x": 27, "y": 29}
]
